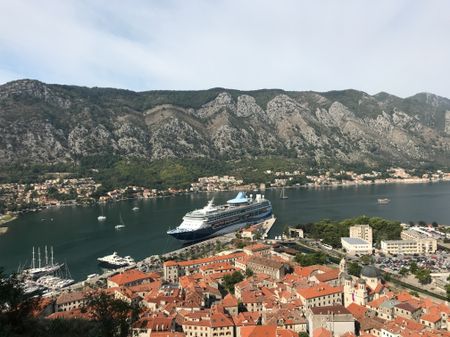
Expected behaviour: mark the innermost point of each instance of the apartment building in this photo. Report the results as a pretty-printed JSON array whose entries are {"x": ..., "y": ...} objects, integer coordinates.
[
  {"x": 363, "y": 232},
  {"x": 407, "y": 247}
]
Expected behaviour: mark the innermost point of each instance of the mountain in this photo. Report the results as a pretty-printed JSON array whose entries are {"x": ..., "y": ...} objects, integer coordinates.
[{"x": 47, "y": 123}]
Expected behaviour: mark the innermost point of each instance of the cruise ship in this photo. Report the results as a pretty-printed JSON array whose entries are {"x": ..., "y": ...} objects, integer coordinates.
[{"x": 217, "y": 220}]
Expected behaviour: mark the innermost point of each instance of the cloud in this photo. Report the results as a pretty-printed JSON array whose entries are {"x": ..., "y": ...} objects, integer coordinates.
[{"x": 395, "y": 46}]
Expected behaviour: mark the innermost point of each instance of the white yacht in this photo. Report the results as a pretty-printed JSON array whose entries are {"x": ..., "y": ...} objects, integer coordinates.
[{"x": 114, "y": 261}]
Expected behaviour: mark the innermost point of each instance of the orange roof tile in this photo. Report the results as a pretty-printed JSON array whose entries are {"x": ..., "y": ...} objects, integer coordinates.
[
  {"x": 321, "y": 332},
  {"x": 259, "y": 331},
  {"x": 357, "y": 310},
  {"x": 128, "y": 276},
  {"x": 322, "y": 289},
  {"x": 229, "y": 301}
]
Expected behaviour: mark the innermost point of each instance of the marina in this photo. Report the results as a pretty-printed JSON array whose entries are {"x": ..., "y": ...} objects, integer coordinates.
[{"x": 79, "y": 238}]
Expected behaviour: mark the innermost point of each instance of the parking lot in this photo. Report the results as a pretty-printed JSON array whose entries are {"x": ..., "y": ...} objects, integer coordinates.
[{"x": 436, "y": 263}]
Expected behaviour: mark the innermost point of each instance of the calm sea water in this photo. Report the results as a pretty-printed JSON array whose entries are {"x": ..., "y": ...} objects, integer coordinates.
[{"x": 78, "y": 238}]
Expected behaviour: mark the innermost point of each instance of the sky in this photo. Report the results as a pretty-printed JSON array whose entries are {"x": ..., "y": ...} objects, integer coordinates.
[{"x": 398, "y": 46}]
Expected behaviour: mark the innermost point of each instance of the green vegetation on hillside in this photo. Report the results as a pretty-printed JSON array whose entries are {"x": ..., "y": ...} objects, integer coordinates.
[{"x": 331, "y": 231}]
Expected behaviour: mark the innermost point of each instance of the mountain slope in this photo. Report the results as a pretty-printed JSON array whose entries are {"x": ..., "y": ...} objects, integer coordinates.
[{"x": 44, "y": 123}]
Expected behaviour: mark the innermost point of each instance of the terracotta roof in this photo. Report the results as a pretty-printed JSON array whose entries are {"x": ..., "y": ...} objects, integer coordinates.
[
  {"x": 265, "y": 262},
  {"x": 307, "y": 271},
  {"x": 159, "y": 323},
  {"x": 72, "y": 314},
  {"x": 246, "y": 318},
  {"x": 259, "y": 331},
  {"x": 328, "y": 276},
  {"x": 168, "y": 334},
  {"x": 358, "y": 311},
  {"x": 407, "y": 306},
  {"x": 330, "y": 309},
  {"x": 322, "y": 289},
  {"x": 368, "y": 323},
  {"x": 321, "y": 332},
  {"x": 432, "y": 317},
  {"x": 128, "y": 276},
  {"x": 170, "y": 263},
  {"x": 230, "y": 301},
  {"x": 211, "y": 259},
  {"x": 70, "y": 296}
]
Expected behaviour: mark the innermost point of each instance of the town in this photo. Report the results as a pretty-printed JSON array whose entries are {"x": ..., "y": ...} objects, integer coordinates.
[
  {"x": 251, "y": 287},
  {"x": 59, "y": 191}
]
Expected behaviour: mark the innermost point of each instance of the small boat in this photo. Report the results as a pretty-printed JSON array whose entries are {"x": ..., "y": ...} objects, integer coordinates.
[
  {"x": 384, "y": 201},
  {"x": 122, "y": 224},
  {"x": 283, "y": 195},
  {"x": 135, "y": 209},
  {"x": 101, "y": 217}
]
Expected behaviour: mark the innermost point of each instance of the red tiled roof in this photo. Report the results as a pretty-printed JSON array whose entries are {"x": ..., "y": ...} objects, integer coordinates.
[
  {"x": 229, "y": 301},
  {"x": 321, "y": 332},
  {"x": 320, "y": 290},
  {"x": 328, "y": 276},
  {"x": 358, "y": 311},
  {"x": 129, "y": 276}
]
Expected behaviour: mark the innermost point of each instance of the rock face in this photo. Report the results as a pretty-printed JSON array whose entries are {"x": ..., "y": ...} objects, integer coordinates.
[{"x": 44, "y": 123}]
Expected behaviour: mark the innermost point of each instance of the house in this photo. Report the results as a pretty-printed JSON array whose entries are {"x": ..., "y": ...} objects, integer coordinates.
[
  {"x": 320, "y": 295},
  {"x": 71, "y": 300},
  {"x": 128, "y": 278},
  {"x": 335, "y": 318},
  {"x": 271, "y": 267}
]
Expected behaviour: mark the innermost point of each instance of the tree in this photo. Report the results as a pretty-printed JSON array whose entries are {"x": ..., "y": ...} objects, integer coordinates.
[
  {"x": 303, "y": 334},
  {"x": 413, "y": 267},
  {"x": 424, "y": 276},
  {"x": 248, "y": 272},
  {"x": 112, "y": 314},
  {"x": 366, "y": 259},
  {"x": 422, "y": 223},
  {"x": 230, "y": 280},
  {"x": 15, "y": 306},
  {"x": 447, "y": 287},
  {"x": 434, "y": 224},
  {"x": 354, "y": 269},
  {"x": 404, "y": 271}
]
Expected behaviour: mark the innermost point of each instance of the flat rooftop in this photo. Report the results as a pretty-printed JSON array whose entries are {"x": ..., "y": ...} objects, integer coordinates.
[{"x": 355, "y": 241}]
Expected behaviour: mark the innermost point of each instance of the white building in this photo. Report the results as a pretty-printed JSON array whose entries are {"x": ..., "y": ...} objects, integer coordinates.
[
  {"x": 354, "y": 246},
  {"x": 406, "y": 247},
  {"x": 362, "y": 232}
]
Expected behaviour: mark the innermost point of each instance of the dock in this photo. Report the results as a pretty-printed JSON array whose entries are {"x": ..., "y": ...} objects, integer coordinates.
[{"x": 267, "y": 226}]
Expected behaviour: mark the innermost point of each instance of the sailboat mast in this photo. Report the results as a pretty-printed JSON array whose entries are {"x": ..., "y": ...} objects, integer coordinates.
[
  {"x": 33, "y": 261},
  {"x": 51, "y": 253},
  {"x": 46, "y": 256},
  {"x": 39, "y": 257}
]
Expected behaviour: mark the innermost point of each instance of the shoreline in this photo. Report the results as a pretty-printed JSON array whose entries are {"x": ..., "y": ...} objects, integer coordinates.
[{"x": 174, "y": 194}]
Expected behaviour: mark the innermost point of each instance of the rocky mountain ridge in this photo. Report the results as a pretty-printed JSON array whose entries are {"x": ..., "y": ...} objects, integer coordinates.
[{"x": 45, "y": 123}]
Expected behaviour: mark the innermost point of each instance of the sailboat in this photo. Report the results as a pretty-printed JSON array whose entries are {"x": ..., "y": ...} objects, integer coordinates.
[
  {"x": 101, "y": 217},
  {"x": 283, "y": 195},
  {"x": 122, "y": 224}
]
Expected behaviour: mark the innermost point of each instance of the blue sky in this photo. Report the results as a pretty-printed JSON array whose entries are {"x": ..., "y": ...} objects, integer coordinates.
[{"x": 401, "y": 47}]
